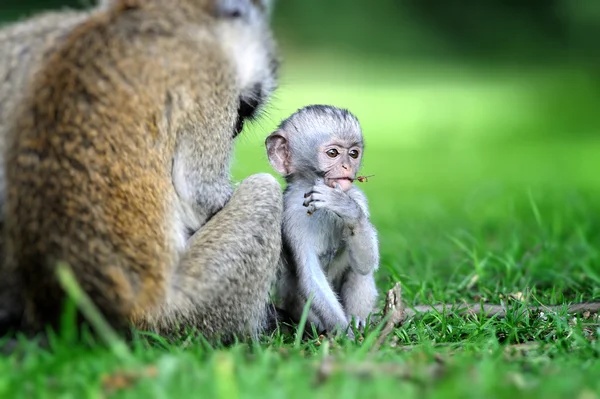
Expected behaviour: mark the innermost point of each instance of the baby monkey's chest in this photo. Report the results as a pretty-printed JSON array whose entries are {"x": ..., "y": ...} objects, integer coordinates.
[
  {"x": 333, "y": 257},
  {"x": 327, "y": 231},
  {"x": 328, "y": 256}
]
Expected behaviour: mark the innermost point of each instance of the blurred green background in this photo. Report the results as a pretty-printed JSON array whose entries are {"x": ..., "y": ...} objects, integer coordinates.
[{"x": 482, "y": 126}]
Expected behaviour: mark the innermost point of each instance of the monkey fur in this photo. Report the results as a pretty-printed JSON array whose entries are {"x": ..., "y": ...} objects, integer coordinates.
[
  {"x": 22, "y": 47},
  {"x": 117, "y": 163},
  {"x": 330, "y": 252}
]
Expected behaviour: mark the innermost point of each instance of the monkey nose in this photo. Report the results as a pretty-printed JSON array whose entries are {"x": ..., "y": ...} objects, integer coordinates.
[{"x": 345, "y": 167}]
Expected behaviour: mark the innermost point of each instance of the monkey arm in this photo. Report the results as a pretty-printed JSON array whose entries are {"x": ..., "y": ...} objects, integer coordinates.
[
  {"x": 363, "y": 246},
  {"x": 221, "y": 285},
  {"x": 324, "y": 303},
  {"x": 312, "y": 282},
  {"x": 359, "y": 233},
  {"x": 359, "y": 294},
  {"x": 361, "y": 237}
]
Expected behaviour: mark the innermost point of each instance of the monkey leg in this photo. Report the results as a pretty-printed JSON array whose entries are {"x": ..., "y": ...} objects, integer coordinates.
[
  {"x": 221, "y": 285},
  {"x": 359, "y": 295},
  {"x": 292, "y": 301}
]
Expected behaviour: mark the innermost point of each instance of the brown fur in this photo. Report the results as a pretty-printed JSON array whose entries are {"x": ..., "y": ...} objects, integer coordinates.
[
  {"x": 22, "y": 47},
  {"x": 133, "y": 93}
]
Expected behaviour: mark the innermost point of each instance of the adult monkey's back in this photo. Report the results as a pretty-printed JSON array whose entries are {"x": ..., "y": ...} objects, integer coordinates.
[
  {"x": 23, "y": 45},
  {"x": 120, "y": 151}
]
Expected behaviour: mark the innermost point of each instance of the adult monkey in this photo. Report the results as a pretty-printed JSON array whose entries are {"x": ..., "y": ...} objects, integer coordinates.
[{"x": 117, "y": 163}]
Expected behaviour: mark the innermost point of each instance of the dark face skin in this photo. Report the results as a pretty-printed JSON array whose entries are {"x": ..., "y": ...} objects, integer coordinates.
[{"x": 340, "y": 160}]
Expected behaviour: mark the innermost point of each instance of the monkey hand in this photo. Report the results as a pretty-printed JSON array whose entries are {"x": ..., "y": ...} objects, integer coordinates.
[
  {"x": 359, "y": 323},
  {"x": 333, "y": 199}
]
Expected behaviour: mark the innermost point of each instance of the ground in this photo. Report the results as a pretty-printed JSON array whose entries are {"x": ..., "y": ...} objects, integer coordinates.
[{"x": 485, "y": 188}]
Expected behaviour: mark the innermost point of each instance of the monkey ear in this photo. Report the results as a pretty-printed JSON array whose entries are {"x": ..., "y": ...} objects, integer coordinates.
[{"x": 278, "y": 152}]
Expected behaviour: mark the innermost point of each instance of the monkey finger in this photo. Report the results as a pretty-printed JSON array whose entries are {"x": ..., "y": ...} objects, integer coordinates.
[
  {"x": 311, "y": 209},
  {"x": 315, "y": 206},
  {"x": 312, "y": 199},
  {"x": 318, "y": 197},
  {"x": 319, "y": 189},
  {"x": 313, "y": 191},
  {"x": 307, "y": 201},
  {"x": 359, "y": 324},
  {"x": 308, "y": 194}
]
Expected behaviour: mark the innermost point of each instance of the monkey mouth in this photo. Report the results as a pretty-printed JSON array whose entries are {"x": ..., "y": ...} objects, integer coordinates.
[
  {"x": 248, "y": 108},
  {"x": 344, "y": 182},
  {"x": 239, "y": 126},
  {"x": 342, "y": 178}
]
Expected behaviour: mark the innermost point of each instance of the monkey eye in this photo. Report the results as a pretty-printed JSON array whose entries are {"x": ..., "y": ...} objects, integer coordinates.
[
  {"x": 353, "y": 154},
  {"x": 332, "y": 153}
]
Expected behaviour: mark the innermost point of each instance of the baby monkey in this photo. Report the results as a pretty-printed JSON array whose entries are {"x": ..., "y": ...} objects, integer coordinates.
[{"x": 330, "y": 248}]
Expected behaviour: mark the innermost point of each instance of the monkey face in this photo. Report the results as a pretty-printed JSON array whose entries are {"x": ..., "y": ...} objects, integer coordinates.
[
  {"x": 318, "y": 141},
  {"x": 249, "y": 107},
  {"x": 340, "y": 161}
]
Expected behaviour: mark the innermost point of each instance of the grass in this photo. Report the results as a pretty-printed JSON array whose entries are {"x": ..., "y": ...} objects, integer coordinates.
[{"x": 485, "y": 186}]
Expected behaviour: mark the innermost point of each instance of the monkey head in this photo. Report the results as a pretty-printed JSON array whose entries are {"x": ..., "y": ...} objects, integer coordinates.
[
  {"x": 318, "y": 141},
  {"x": 246, "y": 36},
  {"x": 243, "y": 29}
]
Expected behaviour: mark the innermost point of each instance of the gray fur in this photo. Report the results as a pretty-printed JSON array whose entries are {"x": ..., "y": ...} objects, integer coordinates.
[{"x": 333, "y": 254}]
